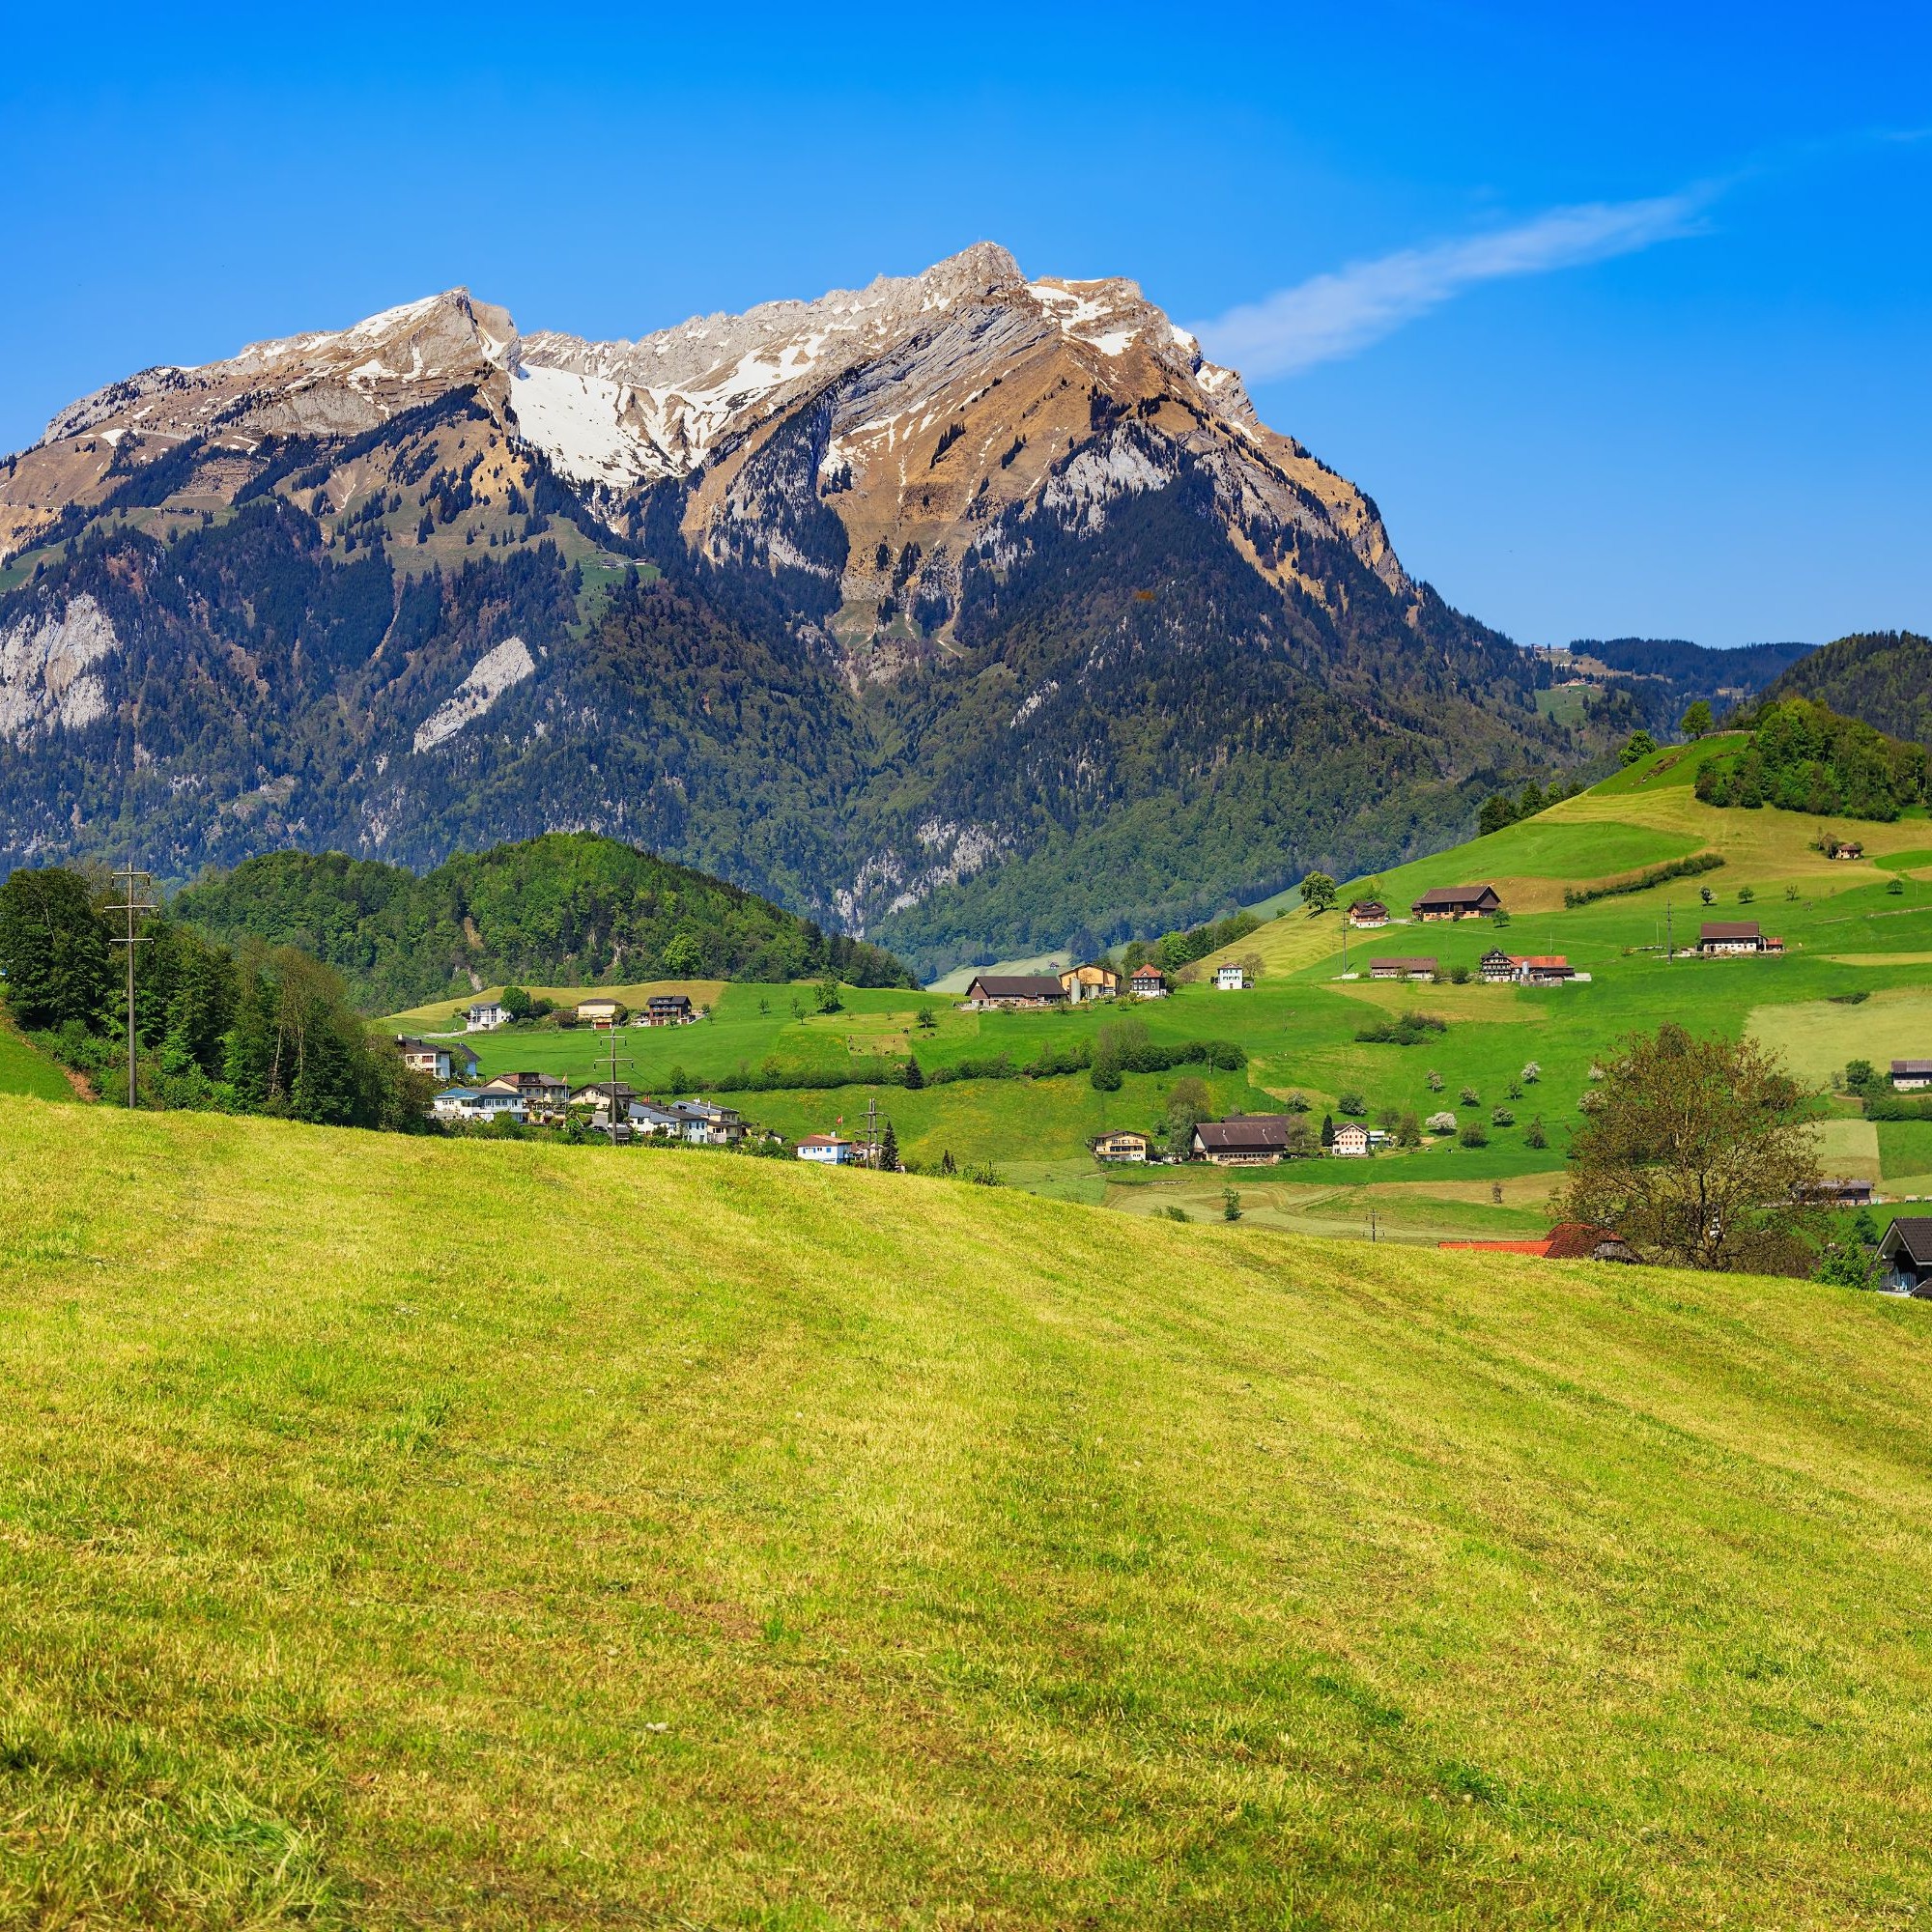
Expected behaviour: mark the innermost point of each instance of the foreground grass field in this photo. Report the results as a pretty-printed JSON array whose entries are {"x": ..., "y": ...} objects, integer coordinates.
[{"x": 500, "y": 1535}]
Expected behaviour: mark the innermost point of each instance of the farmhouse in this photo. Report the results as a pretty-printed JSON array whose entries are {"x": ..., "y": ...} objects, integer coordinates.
[
  {"x": 1544, "y": 969},
  {"x": 1243, "y": 1140},
  {"x": 1123, "y": 1145},
  {"x": 669, "y": 1009},
  {"x": 1844, "y": 1193},
  {"x": 1719, "y": 936},
  {"x": 830, "y": 1151},
  {"x": 1457, "y": 902},
  {"x": 1014, "y": 991},
  {"x": 1147, "y": 983},
  {"x": 1844, "y": 848},
  {"x": 1351, "y": 1141},
  {"x": 600, "y": 1012},
  {"x": 1906, "y": 1251},
  {"x": 1230, "y": 980},
  {"x": 486, "y": 1016},
  {"x": 1907, "y": 1074},
  {"x": 1403, "y": 969},
  {"x": 1092, "y": 981},
  {"x": 1496, "y": 967},
  {"x": 1367, "y": 912}
]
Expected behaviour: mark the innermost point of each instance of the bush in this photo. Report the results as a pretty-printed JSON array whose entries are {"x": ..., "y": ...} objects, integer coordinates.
[
  {"x": 1408, "y": 1131},
  {"x": 1458, "y": 975},
  {"x": 1410, "y": 1029},
  {"x": 1444, "y": 1122},
  {"x": 1533, "y": 1135},
  {"x": 1641, "y": 881},
  {"x": 1352, "y": 1104},
  {"x": 1473, "y": 1136}
]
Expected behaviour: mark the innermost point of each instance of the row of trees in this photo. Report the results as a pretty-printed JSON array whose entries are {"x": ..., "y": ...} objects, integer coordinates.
[{"x": 266, "y": 1029}]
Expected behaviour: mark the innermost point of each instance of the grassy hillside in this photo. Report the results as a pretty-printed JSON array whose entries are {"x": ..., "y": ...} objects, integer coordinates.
[
  {"x": 515, "y": 1536},
  {"x": 25, "y": 1070}
]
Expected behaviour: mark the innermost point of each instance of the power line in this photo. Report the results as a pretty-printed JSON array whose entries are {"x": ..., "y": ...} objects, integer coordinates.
[{"x": 135, "y": 883}]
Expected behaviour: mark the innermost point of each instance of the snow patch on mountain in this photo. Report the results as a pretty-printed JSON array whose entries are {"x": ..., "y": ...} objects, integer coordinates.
[
  {"x": 498, "y": 670},
  {"x": 47, "y": 676},
  {"x": 578, "y": 421}
]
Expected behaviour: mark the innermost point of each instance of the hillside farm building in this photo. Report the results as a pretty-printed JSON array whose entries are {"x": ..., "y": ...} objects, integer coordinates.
[
  {"x": 1567, "y": 1241},
  {"x": 1122, "y": 1145},
  {"x": 433, "y": 1058},
  {"x": 1907, "y": 1253},
  {"x": 1148, "y": 983},
  {"x": 600, "y": 1012},
  {"x": 1367, "y": 912},
  {"x": 1496, "y": 967},
  {"x": 1716, "y": 937},
  {"x": 1908, "y": 1074},
  {"x": 1230, "y": 980},
  {"x": 486, "y": 1016},
  {"x": 1351, "y": 1141},
  {"x": 1014, "y": 991},
  {"x": 669, "y": 1009},
  {"x": 1403, "y": 969},
  {"x": 1243, "y": 1140},
  {"x": 1089, "y": 982},
  {"x": 1457, "y": 902},
  {"x": 830, "y": 1151}
]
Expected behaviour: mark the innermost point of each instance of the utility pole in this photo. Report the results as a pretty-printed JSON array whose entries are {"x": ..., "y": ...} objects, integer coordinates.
[
  {"x": 1669, "y": 942},
  {"x": 1345, "y": 942},
  {"x": 1371, "y": 1224},
  {"x": 131, "y": 906},
  {"x": 872, "y": 1131},
  {"x": 610, "y": 1094}
]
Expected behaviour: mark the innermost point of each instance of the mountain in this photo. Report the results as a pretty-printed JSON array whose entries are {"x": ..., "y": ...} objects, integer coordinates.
[
  {"x": 566, "y": 909},
  {"x": 965, "y": 611},
  {"x": 1883, "y": 678}
]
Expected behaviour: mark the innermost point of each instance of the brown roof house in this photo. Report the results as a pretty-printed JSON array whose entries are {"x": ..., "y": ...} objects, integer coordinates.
[
  {"x": 1014, "y": 990},
  {"x": 1907, "y": 1253},
  {"x": 1734, "y": 935},
  {"x": 1092, "y": 982},
  {"x": 1147, "y": 983},
  {"x": 1907, "y": 1074},
  {"x": 1367, "y": 912},
  {"x": 1246, "y": 1140},
  {"x": 1457, "y": 902},
  {"x": 1120, "y": 1146},
  {"x": 1403, "y": 969}
]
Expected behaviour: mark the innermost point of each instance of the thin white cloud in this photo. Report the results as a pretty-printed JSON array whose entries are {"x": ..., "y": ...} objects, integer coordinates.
[{"x": 1334, "y": 315}]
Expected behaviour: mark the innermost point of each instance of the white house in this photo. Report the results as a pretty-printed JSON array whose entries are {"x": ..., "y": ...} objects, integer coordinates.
[
  {"x": 828, "y": 1150},
  {"x": 1351, "y": 1140},
  {"x": 500, "y": 1100},
  {"x": 1230, "y": 980},
  {"x": 486, "y": 1016},
  {"x": 1907, "y": 1074}
]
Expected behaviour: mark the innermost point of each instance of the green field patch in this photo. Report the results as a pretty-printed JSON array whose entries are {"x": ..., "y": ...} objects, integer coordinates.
[
  {"x": 25, "y": 1070},
  {"x": 1817, "y": 1037},
  {"x": 1850, "y": 1147},
  {"x": 1905, "y": 1147}
]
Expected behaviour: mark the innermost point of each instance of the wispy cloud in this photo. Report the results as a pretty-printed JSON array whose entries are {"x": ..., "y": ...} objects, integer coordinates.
[{"x": 1334, "y": 315}]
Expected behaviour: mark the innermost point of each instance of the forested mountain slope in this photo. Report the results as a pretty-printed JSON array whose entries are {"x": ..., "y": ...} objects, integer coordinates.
[
  {"x": 1883, "y": 678},
  {"x": 964, "y": 611}
]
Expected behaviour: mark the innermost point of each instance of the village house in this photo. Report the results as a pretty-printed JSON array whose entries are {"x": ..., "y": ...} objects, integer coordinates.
[
  {"x": 601, "y": 1012},
  {"x": 1908, "y": 1074},
  {"x": 600, "y": 1094},
  {"x": 1845, "y": 1193},
  {"x": 434, "y": 1058},
  {"x": 1403, "y": 969},
  {"x": 668, "y": 1010},
  {"x": 546, "y": 1096},
  {"x": 1243, "y": 1140},
  {"x": 705, "y": 1124},
  {"x": 1367, "y": 912},
  {"x": 1457, "y": 902},
  {"x": 486, "y": 1016},
  {"x": 1351, "y": 1141},
  {"x": 1120, "y": 1146},
  {"x": 1013, "y": 992},
  {"x": 1719, "y": 936},
  {"x": 1147, "y": 983},
  {"x": 830, "y": 1151},
  {"x": 1567, "y": 1241},
  {"x": 1844, "y": 848},
  {"x": 1092, "y": 981},
  {"x": 1230, "y": 980},
  {"x": 1906, "y": 1251},
  {"x": 498, "y": 1100},
  {"x": 1496, "y": 967}
]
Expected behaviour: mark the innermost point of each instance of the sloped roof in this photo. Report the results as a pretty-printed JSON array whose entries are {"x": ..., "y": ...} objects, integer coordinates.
[
  {"x": 1451, "y": 896},
  {"x": 1244, "y": 1132},
  {"x": 1395, "y": 964},
  {"x": 1912, "y": 1069},
  {"x": 1018, "y": 985},
  {"x": 1729, "y": 928},
  {"x": 1910, "y": 1234}
]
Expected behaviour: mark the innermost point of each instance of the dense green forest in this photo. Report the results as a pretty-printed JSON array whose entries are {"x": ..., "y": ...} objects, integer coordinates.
[
  {"x": 564, "y": 909},
  {"x": 268, "y": 1031},
  {"x": 1801, "y": 756},
  {"x": 1883, "y": 678}
]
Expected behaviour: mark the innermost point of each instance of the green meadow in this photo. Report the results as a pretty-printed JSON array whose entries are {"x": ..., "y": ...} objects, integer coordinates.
[{"x": 406, "y": 1532}]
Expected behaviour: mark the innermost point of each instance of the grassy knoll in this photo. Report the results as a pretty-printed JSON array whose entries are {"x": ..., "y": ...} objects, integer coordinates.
[
  {"x": 506, "y": 1535},
  {"x": 25, "y": 1070}
]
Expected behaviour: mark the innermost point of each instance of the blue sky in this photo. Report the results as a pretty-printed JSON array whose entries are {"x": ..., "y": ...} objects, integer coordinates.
[{"x": 1624, "y": 322}]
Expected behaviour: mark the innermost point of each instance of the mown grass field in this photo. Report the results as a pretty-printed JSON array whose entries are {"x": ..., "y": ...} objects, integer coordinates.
[{"x": 504, "y": 1535}]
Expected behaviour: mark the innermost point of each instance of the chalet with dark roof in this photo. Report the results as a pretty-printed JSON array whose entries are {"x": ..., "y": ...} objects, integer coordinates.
[
  {"x": 1907, "y": 1074},
  {"x": 1457, "y": 902},
  {"x": 1367, "y": 912},
  {"x": 1720, "y": 936},
  {"x": 1243, "y": 1140},
  {"x": 1906, "y": 1251},
  {"x": 1014, "y": 991},
  {"x": 1403, "y": 968}
]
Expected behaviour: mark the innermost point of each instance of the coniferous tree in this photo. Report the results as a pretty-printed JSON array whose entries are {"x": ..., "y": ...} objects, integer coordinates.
[{"x": 53, "y": 949}]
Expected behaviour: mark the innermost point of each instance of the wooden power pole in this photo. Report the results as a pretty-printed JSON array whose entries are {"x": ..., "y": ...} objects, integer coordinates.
[{"x": 133, "y": 905}]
